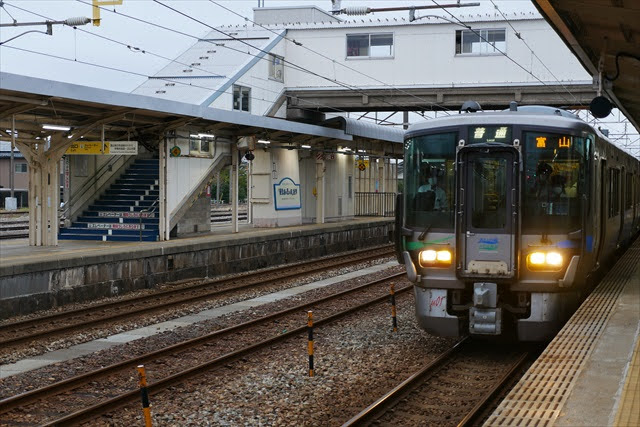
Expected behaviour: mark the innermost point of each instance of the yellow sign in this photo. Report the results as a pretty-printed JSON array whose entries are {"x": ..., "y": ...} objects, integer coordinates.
[
  {"x": 363, "y": 164},
  {"x": 564, "y": 142},
  {"x": 129, "y": 148},
  {"x": 541, "y": 142},
  {"x": 175, "y": 151}
]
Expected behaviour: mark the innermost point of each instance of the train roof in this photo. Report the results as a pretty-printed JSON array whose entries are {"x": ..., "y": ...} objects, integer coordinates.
[{"x": 529, "y": 115}]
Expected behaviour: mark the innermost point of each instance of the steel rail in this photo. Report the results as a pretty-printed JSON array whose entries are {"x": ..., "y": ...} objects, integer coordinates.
[
  {"x": 394, "y": 396},
  {"x": 144, "y": 299},
  {"x": 161, "y": 385},
  {"x": 472, "y": 416},
  {"x": 78, "y": 380},
  {"x": 391, "y": 398}
]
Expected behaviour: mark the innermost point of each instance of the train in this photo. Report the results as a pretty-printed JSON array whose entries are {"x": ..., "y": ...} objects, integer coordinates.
[{"x": 506, "y": 219}]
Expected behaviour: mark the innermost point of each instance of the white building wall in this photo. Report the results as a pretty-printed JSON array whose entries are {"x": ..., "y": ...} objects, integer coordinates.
[
  {"x": 270, "y": 167},
  {"x": 424, "y": 55},
  {"x": 186, "y": 172},
  {"x": 264, "y": 91}
]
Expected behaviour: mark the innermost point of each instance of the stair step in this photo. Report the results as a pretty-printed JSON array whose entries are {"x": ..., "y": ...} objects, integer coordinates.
[
  {"x": 104, "y": 225},
  {"x": 120, "y": 214},
  {"x": 127, "y": 187},
  {"x": 117, "y": 208},
  {"x": 126, "y": 196},
  {"x": 108, "y": 238},
  {"x": 107, "y": 231},
  {"x": 116, "y": 202},
  {"x": 134, "y": 192}
]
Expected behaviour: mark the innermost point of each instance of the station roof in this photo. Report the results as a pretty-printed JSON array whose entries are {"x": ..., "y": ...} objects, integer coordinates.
[
  {"x": 37, "y": 101},
  {"x": 607, "y": 30}
]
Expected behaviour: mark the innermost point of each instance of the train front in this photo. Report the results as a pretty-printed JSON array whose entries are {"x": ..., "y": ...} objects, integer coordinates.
[{"x": 490, "y": 228}]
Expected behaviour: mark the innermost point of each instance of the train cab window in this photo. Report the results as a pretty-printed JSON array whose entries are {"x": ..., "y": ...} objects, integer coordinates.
[
  {"x": 489, "y": 180},
  {"x": 429, "y": 180},
  {"x": 555, "y": 169}
]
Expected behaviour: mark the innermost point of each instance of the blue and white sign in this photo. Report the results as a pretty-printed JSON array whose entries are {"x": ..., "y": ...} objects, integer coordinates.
[{"x": 286, "y": 195}]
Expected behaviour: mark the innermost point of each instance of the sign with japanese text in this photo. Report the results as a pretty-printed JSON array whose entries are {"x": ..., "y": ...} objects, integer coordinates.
[
  {"x": 122, "y": 148},
  {"x": 286, "y": 195}
]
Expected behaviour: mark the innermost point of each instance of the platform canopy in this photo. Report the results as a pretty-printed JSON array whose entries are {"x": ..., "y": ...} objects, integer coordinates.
[
  {"x": 603, "y": 32},
  {"x": 90, "y": 111}
]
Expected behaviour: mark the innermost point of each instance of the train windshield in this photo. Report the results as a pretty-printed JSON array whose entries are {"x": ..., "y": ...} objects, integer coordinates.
[
  {"x": 554, "y": 181},
  {"x": 429, "y": 180}
]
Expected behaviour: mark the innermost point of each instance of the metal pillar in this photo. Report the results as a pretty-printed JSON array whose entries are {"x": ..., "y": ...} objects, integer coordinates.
[
  {"x": 233, "y": 187},
  {"x": 320, "y": 169},
  {"x": 164, "y": 219},
  {"x": 12, "y": 170}
]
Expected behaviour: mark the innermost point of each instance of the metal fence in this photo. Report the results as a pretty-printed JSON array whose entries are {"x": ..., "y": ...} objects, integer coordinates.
[{"x": 375, "y": 204}]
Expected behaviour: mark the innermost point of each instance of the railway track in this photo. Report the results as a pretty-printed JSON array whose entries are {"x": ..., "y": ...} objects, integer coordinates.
[
  {"x": 53, "y": 325},
  {"x": 455, "y": 389},
  {"x": 77, "y": 399}
]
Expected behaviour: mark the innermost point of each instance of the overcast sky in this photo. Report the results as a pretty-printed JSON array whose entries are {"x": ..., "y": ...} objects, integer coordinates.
[{"x": 91, "y": 44}]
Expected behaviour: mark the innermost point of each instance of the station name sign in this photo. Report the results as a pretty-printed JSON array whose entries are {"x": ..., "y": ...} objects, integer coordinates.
[
  {"x": 286, "y": 195},
  {"x": 122, "y": 148}
]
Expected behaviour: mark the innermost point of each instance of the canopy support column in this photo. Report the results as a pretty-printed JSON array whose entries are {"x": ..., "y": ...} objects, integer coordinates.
[{"x": 320, "y": 169}]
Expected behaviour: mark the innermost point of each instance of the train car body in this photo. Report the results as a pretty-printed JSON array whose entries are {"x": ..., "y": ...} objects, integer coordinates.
[{"x": 505, "y": 217}]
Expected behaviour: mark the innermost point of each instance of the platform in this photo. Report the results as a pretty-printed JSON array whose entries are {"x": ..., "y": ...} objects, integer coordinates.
[
  {"x": 35, "y": 278},
  {"x": 588, "y": 375}
]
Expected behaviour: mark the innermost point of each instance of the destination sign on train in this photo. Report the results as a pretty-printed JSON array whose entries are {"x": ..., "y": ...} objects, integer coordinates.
[
  {"x": 553, "y": 141},
  {"x": 480, "y": 134}
]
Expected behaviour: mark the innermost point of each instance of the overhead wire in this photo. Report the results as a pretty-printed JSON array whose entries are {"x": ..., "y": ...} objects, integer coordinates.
[
  {"x": 502, "y": 52},
  {"x": 169, "y": 80},
  {"x": 295, "y": 66},
  {"x": 331, "y": 59},
  {"x": 519, "y": 36}
]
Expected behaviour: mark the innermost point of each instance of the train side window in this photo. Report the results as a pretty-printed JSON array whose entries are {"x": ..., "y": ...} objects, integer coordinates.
[
  {"x": 628, "y": 194},
  {"x": 614, "y": 192}
]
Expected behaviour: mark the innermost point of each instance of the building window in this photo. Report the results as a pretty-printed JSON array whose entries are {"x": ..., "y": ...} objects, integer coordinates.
[
  {"x": 370, "y": 45},
  {"x": 480, "y": 42},
  {"x": 241, "y": 97},
  {"x": 199, "y": 146},
  {"x": 276, "y": 67},
  {"x": 20, "y": 167}
]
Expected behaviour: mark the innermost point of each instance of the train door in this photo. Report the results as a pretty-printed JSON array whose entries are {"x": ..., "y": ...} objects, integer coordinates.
[{"x": 488, "y": 211}]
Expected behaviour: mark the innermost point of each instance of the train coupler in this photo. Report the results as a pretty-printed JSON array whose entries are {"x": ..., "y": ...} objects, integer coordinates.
[{"x": 485, "y": 317}]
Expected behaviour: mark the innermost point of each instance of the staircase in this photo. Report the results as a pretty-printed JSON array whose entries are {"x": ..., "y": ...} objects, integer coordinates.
[{"x": 118, "y": 215}]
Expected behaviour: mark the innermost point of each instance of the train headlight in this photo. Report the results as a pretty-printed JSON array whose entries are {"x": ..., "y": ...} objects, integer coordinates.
[
  {"x": 536, "y": 258},
  {"x": 545, "y": 261},
  {"x": 428, "y": 256},
  {"x": 433, "y": 258},
  {"x": 554, "y": 259},
  {"x": 444, "y": 257}
]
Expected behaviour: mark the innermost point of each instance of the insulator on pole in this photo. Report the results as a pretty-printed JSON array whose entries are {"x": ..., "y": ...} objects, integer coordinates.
[
  {"x": 79, "y": 20},
  {"x": 356, "y": 10}
]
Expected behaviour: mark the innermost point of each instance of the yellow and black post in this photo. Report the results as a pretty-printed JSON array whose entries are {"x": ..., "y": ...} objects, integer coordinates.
[
  {"x": 145, "y": 396},
  {"x": 310, "y": 346},
  {"x": 393, "y": 308}
]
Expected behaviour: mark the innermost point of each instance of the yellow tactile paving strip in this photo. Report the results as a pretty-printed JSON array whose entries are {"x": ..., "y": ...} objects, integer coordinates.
[
  {"x": 629, "y": 410},
  {"x": 539, "y": 397}
]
